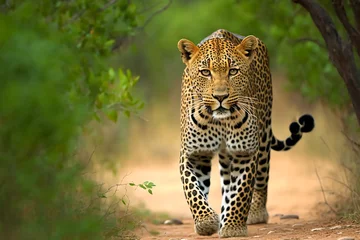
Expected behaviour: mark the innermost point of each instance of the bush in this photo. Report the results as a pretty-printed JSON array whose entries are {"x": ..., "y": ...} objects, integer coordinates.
[{"x": 54, "y": 80}]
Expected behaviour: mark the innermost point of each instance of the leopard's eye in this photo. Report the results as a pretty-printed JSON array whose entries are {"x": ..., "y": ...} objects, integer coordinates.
[
  {"x": 233, "y": 71},
  {"x": 205, "y": 72}
]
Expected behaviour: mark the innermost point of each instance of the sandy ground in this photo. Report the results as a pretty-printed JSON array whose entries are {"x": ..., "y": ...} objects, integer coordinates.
[
  {"x": 287, "y": 230},
  {"x": 294, "y": 189}
]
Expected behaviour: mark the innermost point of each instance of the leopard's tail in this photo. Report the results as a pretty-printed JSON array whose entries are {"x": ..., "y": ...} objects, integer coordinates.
[{"x": 305, "y": 124}]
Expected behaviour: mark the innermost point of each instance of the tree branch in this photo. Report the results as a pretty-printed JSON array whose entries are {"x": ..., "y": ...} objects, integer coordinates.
[
  {"x": 5, "y": 6},
  {"x": 353, "y": 33},
  {"x": 79, "y": 14},
  {"x": 120, "y": 41},
  {"x": 340, "y": 53},
  {"x": 323, "y": 192},
  {"x": 355, "y": 6},
  {"x": 156, "y": 13},
  {"x": 307, "y": 39},
  {"x": 148, "y": 8},
  {"x": 108, "y": 4}
]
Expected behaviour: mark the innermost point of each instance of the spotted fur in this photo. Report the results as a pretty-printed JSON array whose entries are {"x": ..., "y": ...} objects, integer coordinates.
[{"x": 226, "y": 101}]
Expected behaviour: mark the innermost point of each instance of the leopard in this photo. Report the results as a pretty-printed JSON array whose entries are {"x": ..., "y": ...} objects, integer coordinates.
[{"x": 226, "y": 107}]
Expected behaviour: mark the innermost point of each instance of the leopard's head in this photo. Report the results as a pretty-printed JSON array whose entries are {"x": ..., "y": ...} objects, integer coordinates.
[{"x": 218, "y": 74}]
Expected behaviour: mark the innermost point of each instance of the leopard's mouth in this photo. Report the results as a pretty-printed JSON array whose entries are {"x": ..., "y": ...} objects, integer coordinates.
[
  {"x": 220, "y": 112},
  {"x": 221, "y": 109}
]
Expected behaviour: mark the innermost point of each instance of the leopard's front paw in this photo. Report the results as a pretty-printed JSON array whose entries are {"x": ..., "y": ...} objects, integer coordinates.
[
  {"x": 233, "y": 231},
  {"x": 207, "y": 225},
  {"x": 257, "y": 216}
]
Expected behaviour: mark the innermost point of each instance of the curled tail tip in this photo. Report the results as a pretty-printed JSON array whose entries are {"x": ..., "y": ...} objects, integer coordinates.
[{"x": 307, "y": 123}]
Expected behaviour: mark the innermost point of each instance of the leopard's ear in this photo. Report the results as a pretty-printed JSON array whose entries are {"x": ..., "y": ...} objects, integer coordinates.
[
  {"x": 188, "y": 50},
  {"x": 247, "y": 46}
]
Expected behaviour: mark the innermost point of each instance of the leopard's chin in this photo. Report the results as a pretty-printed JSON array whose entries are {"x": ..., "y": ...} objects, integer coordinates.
[{"x": 221, "y": 113}]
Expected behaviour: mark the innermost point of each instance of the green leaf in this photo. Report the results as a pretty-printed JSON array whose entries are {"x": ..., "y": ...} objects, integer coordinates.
[
  {"x": 113, "y": 115},
  {"x": 142, "y": 186},
  {"x": 102, "y": 97},
  {"x": 127, "y": 113},
  {"x": 141, "y": 105},
  {"x": 111, "y": 73},
  {"x": 132, "y": 184},
  {"x": 149, "y": 184},
  {"x": 96, "y": 117},
  {"x": 150, "y": 191},
  {"x": 109, "y": 43}
]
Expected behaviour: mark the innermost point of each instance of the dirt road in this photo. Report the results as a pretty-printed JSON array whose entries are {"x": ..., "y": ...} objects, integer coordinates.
[
  {"x": 289, "y": 229},
  {"x": 294, "y": 189}
]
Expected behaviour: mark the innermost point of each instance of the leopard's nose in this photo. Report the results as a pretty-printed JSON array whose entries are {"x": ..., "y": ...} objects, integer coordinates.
[{"x": 220, "y": 98}]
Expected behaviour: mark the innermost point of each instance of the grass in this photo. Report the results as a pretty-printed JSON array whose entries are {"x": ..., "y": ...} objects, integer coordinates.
[{"x": 348, "y": 178}]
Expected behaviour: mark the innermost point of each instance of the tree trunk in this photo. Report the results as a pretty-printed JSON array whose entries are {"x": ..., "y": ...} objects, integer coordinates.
[{"x": 341, "y": 53}]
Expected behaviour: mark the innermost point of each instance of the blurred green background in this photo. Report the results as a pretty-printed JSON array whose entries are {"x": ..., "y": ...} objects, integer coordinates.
[
  {"x": 295, "y": 45},
  {"x": 73, "y": 71}
]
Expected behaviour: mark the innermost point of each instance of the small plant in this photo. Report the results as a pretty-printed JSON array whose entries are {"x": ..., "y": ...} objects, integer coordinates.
[{"x": 145, "y": 185}]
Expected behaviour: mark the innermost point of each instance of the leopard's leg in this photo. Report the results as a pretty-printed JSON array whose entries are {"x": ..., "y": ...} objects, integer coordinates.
[
  {"x": 225, "y": 166},
  {"x": 238, "y": 175},
  {"x": 258, "y": 212},
  {"x": 195, "y": 176}
]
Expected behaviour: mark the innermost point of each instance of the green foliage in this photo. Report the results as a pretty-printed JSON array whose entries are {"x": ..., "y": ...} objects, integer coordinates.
[
  {"x": 115, "y": 94},
  {"x": 55, "y": 78},
  {"x": 89, "y": 30}
]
